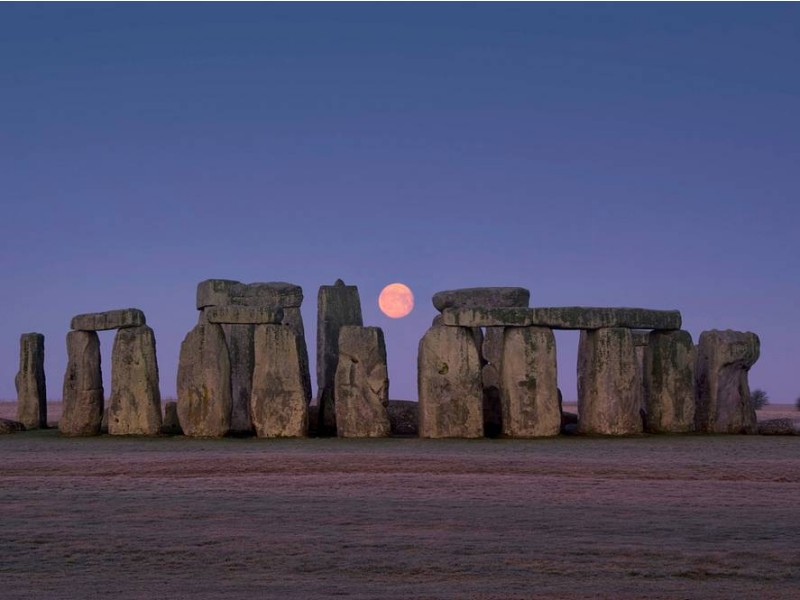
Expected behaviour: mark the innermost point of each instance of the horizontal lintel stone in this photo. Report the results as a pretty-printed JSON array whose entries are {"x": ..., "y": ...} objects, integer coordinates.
[
  {"x": 244, "y": 315},
  {"x": 563, "y": 317},
  {"x": 224, "y": 292},
  {"x": 482, "y": 297},
  {"x": 111, "y": 319}
]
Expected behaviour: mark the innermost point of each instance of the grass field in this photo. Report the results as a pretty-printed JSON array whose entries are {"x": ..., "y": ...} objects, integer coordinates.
[{"x": 649, "y": 517}]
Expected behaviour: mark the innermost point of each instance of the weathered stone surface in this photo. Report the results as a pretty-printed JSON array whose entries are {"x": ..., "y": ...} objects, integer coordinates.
[
  {"x": 641, "y": 338},
  {"x": 30, "y": 382},
  {"x": 241, "y": 352},
  {"x": 481, "y": 297},
  {"x": 337, "y": 305},
  {"x": 9, "y": 426},
  {"x": 608, "y": 387},
  {"x": 171, "y": 424},
  {"x": 491, "y": 354},
  {"x": 403, "y": 417},
  {"x": 669, "y": 390},
  {"x": 243, "y": 315},
  {"x": 566, "y": 317},
  {"x": 204, "y": 383},
  {"x": 362, "y": 383},
  {"x": 449, "y": 382},
  {"x": 83, "y": 386},
  {"x": 778, "y": 427},
  {"x": 112, "y": 319},
  {"x": 294, "y": 320},
  {"x": 222, "y": 292},
  {"x": 723, "y": 393},
  {"x": 134, "y": 406},
  {"x": 529, "y": 390},
  {"x": 279, "y": 401}
]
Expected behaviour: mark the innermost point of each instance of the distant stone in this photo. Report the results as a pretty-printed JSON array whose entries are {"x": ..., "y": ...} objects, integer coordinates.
[
  {"x": 171, "y": 425},
  {"x": 279, "y": 401},
  {"x": 528, "y": 390},
  {"x": 568, "y": 418},
  {"x": 30, "y": 382},
  {"x": 724, "y": 404},
  {"x": 669, "y": 390},
  {"x": 223, "y": 292},
  {"x": 362, "y": 383},
  {"x": 241, "y": 352},
  {"x": 204, "y": 383},
  {"x": 403, "y": 417},
  {"x": 569, "y": 317},
  {"x": 337, "y": 305},
  {"x": 244, "y": 315},
  {"x": 83, "y": 400},
  {"x": 9, "y": 426},
  {"x": 778, "y": 427},
  {"x": 449, "y": 382},
  {"x": 608, "y": 387},
  {"x": 134, "y": 406},
  {"x": 112, "y": 319},
  {"x": 481, "y": 297}
]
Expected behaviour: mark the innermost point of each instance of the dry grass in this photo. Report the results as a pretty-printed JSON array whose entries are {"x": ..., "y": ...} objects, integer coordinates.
[{"x": 650, "y": 517}]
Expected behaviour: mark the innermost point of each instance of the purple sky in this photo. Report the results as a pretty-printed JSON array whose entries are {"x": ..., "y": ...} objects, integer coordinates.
[{"x": 612, "y": 155}]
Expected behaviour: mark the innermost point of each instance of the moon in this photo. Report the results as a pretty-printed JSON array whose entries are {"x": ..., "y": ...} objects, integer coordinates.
[{"x": 396, "y": 300}]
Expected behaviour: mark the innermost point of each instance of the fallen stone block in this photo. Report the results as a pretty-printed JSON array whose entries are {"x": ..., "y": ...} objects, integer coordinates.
[
  {"x": 111, "y": 319},
  {"x": 778, "y": 427},
  {"x": 403, "y": 417}
]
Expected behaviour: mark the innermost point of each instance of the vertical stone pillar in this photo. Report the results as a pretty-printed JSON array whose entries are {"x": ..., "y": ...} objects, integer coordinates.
[
  {"x": 239, "y": 338},
  {"x": 83, "y": 386},
  {"x": 669, "y": 388},
  {"x": 135, "y": 400},
  {"x": 337, "y": 305},
  {"x": 362, "y": 383},
  {"x": 279, "y": 400},
  {"x": 723, "y": 392},
  {"x": 30, "y": 382},
  {"x": 529, "y": 388},
  {"x": 449, "y": 382},
  {"x": 609, "y": 396},
  {"x": 204, "y": 383}
]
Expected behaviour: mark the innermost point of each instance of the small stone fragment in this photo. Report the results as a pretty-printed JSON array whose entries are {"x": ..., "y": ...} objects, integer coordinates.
[
  {"x": 778, "y": 427},
  {"x": 362, "y": 383},
  {"x": 279, "y": 400},
  {"x": 83, "y": 400},
  {"x": 529, "y": 391},
  {"x": 608, "y": 387},
  {"x": 9, "y": 426},
  {"x": 112, "y": 319},
  {"x": 723, "y": 393},
  {"x": 449, "y": 382},
  {"x": 135, "y": 401},
  {"x": 204, "y": 383},
  {"x": 30, "y": 382}
]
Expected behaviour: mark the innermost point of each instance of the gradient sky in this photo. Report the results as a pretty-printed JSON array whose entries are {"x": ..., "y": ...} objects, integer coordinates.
[{"x": 612, "y": 155}]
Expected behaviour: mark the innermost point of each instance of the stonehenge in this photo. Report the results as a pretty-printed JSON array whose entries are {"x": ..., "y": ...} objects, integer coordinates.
[
  {"x": 30, "y": 382},
  {"x": 487, "y": 367}
]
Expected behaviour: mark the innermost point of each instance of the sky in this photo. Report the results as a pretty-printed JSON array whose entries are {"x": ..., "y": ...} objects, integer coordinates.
[{"x": 596, "y": 154}]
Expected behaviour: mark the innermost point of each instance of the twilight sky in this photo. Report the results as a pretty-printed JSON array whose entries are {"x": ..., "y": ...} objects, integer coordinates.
[{"x": 611, "y": 155}]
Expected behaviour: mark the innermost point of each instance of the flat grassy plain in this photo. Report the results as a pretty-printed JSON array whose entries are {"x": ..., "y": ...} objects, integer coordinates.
[{"x": 645, "y": 517}]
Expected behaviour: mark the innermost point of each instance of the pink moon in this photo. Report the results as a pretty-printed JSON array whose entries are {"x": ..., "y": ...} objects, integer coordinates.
[{"x": 396, "y": 300}]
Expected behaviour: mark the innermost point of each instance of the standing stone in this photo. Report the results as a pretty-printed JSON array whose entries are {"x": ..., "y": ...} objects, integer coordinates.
[
  {"x": 449, "y": 382},
  {"x": 669, "y": 389},
  {"x": 723, "y": 393},
  {"x": 204, "y": 383},
  {"x": 83, "y": 386},
  {"x": 30, "y": 382},
  {"x": 279, "y": 400},
  {"x": 491, "y": 359},
  {"x": 294, "y": 320},
  {"x": 608, "y": 386},
  {"x": 529, "y": 389},
  {"x": 337, "y": 305},
  {"x": 242, "y": 356},
  {"x": 640, "y": 340},
  {"x": 362, "y": 383},
  {"x": 135, "y": 401}
]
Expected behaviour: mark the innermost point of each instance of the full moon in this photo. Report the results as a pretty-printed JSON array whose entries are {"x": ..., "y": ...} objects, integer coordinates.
[{"x": 396, "y": 300}]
